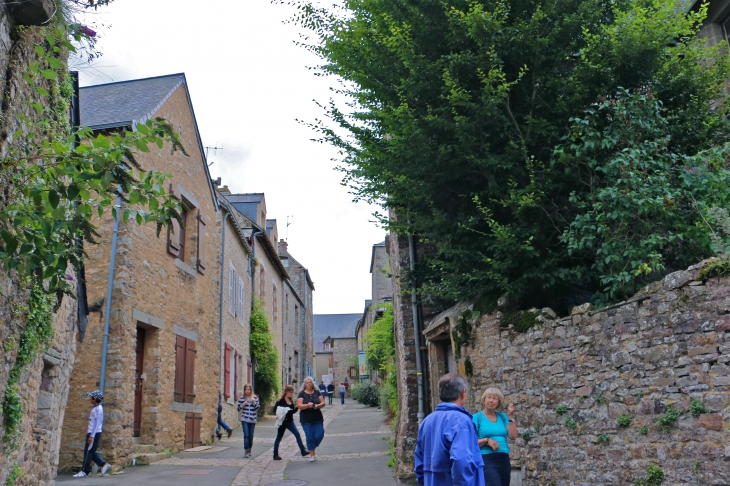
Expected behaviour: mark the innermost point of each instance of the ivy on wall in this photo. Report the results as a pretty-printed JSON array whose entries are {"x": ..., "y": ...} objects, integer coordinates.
[{"x": 265, "y": 355}]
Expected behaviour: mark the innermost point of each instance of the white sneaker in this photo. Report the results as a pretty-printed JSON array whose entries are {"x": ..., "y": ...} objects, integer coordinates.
[
  {"x": 105, "y": 469},
  {"x": 312, "y": 458},
  {"x": 81, "y": 474}
]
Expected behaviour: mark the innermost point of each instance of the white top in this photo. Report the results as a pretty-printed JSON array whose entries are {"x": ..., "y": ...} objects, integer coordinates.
[{"x": 96, "y": 420}]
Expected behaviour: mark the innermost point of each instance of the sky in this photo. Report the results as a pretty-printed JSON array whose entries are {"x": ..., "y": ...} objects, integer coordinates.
[{"x": 249, "y": 84}]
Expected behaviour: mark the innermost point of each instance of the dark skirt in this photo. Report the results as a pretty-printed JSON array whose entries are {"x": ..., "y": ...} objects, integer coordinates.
[{"x": 497, "y": 469}]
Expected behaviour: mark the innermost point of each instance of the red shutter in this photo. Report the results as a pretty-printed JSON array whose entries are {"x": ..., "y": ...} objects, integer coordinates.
[
  {"x": 179, "y": 395},
  {"x": 227, "y": 371},
  {"x": 173, "y": 231},
  {"x": 202, "y": 224},
  {"x": 190, "y": 371},
  {"x": 235, "y": 374}
]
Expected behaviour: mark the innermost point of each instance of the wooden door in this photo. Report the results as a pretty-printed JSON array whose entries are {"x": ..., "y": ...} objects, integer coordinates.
[
  {"x": 192, "y": 430},
  {"x": 139, "y": 350}
]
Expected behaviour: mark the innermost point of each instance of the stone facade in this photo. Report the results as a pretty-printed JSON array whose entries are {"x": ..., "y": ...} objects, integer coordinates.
[
  {"x": 659, "y": 350},
  {"x": 343, "y": 349},
  {"x": 158, "y": 299}
]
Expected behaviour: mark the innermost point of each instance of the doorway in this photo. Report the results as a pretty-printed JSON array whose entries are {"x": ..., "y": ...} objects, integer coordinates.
[{"x": 138, "y": 380}]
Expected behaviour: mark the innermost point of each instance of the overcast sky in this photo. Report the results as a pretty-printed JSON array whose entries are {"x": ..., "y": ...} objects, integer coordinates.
[{"x": 249, "y": 84}]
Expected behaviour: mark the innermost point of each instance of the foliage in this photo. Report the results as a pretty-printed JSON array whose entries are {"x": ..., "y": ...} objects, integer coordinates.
[
  {"x": 562, "y": 409},
  {"x": 654, "y": 476},
  {"x": 36, "y": 335},
  {"x": 521, "y": 321},
  {"x": 643, "y": 430},
  {"x": 366, "y": 393},
  {"x": 526, "y": 435},
  {"x": 266, "y": 356},
  {"x": 668, "y": 419},
  {"x": 519, "y": 139},
  {"x": 601, "y": 399},
  {"x": 570, "y": 423},
  {"x": 14, "y": 475},
  {"x": 603, "y": 439},
  {"x": 624, "y": 420},
  {"x": 696, "y": 408},
  {"x": 468, "y": 367},
  {"x": 380, "y": 354}
]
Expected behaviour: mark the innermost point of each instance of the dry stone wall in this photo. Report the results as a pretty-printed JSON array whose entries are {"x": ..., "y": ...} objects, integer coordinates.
[{"x": 659, "y": 351}]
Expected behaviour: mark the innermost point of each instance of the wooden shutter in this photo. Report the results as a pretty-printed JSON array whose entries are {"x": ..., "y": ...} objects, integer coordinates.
[
  {"x": 202, "y": 224},
  {"x": 173, "y": 231},
  {"x": 179, "y": 395},
  {"x": 189, "y": 430},
  {"x": 227, "y": 371},
  {"x": 240, "y": 300},
  {"x": 197, "y": 420},
  {"x": 190, "y": 371},
  {"x": 235, "y": 375},
  {"x": 232, "y": 290}
]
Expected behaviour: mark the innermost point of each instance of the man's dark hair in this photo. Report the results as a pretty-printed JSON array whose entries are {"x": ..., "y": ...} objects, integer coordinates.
[{"x": 450, "y": 387}]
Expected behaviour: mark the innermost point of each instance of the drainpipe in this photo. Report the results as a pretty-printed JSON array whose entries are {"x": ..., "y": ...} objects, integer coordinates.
[
  {"x": 416, "y": 327},
  {"x": 253, "y": 295},
  {"x": 220, "y": 298},
  {"x": 110, "y": 286}
]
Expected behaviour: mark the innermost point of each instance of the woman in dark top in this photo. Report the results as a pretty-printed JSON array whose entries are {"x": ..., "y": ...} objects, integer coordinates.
[
  {"x": 310, "y": 402},
  {"x": 286, "y": 400},
  {"x": 330, "y": 391}
]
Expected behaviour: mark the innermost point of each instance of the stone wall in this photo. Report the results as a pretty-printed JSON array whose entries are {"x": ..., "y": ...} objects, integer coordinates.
[
  {"x": 44, "y": 383},
  {"x": 166, "y": 297},
  {"x": 664, "y": 347},
  {"x": 342, "y": 350}
]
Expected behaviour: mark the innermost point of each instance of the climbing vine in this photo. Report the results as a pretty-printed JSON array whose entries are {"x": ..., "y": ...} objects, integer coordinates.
[{"x": 265, "y": 354}]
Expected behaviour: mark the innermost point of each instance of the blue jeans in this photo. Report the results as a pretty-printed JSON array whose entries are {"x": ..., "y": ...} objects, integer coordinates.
[
  {"x": 288, "y": 425},
  {"x": 247, "y": 434},
  {"x": 222, "y": 424},
  {"x": 342, "y": 398},
  {"x": 90, "y": 453},
  {"x": 497, "y": 469},
  {"x": 314, "y": 432}
]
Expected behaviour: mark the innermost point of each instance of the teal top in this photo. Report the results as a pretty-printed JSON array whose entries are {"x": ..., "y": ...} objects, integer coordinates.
[{"x": 495, "y": 431}]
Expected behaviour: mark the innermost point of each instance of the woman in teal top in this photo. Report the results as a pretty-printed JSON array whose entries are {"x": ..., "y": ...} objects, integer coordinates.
[{"x": 493, "y": 430}]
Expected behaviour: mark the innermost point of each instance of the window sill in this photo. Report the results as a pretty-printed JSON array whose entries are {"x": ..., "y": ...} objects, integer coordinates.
[
  {"x": 186, "y": 407},
  {"x": 186, "y": 268}
]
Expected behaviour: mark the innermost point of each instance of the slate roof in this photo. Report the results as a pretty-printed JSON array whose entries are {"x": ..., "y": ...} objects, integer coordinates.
[
  {"x": 119, "y": 104},
  {"x": 335, "y": 326},
  {"x": 255, "y": 197}
]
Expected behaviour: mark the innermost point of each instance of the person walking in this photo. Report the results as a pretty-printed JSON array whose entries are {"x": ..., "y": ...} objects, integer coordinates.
[
  {"x": 221, "y": 423},
  {"x": 447, "y": 452},
  {"x": 342, "y": 393},
  {"x": 249, "y": 406},
  {"x": 93, "y": 437},
  {"x": 310, "y": 402},
  {"x": 330, "y": 392},
  {"x": 287, "y": 405},
  {"x": 493, "y": 430},
  {"x": 322, "y": 389}
]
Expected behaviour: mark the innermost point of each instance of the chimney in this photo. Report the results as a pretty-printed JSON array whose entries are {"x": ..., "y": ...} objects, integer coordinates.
[
  {"x": 283, "y": 244},
  {"x": 224, "y": 190}
]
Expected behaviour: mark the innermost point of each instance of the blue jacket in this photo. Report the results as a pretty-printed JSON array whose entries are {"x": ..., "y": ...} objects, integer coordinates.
[{"x": 447, "y": 451}]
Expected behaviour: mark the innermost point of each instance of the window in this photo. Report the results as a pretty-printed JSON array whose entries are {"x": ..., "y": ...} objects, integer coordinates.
[
  {"x": 286, "y": 307},
  {"x": 262, "y": 284},
  {"x": 327, "y": 345},
  {"x": 353, "y": 371},
  {"x": 240, "y": 301},
  {"x": 275, "y": 306},
  {"x": 182, "y": 240},
  {"x": 184, "y": 370},
  {"x": 231, "y": 289}
]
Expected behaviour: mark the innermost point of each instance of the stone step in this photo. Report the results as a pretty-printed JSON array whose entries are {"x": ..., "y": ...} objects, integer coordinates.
[
  {"x": 137, "y": 459},
  {"x": 143, "y": 449}
]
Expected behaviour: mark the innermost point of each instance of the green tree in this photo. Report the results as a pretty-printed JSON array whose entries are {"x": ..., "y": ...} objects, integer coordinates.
[
  {"x": 462, "y": 117},
  {"x": 263, "y": 351}
]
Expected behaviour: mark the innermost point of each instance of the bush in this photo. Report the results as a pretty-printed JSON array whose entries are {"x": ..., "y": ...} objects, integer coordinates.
[{"x": 366, "y": 393}]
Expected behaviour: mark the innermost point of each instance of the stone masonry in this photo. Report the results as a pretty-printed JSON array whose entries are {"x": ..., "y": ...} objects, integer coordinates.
[{"x": 571, "y": 378}]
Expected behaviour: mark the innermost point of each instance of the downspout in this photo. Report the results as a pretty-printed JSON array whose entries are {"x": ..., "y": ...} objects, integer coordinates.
[
  {"x": 220, "y": 298},
  {"x": 253, "y": 296},
  {"x": 110, "y": 286},
  {"x": 416, "y": 327}
]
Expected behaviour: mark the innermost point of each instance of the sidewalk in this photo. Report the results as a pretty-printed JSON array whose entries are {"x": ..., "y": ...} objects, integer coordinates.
[{"x": 353, "y": 451}]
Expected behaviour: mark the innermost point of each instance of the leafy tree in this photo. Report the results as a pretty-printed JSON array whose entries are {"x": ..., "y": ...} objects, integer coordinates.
[
  {"x": 465, "y": 116},
  {"x": 265, "y": 355}
]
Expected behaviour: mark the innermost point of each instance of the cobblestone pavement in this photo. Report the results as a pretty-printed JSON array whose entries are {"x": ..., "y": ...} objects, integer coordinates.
[{"x": 354, "y": 450}]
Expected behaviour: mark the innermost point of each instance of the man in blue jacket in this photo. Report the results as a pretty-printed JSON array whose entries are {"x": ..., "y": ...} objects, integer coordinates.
[{"x": 447, "y": 451}]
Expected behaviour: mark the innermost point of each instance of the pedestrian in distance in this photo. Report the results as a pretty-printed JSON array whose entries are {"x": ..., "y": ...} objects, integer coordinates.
[
  {"x": 221, "y": 423},
  {"x": 322, "y": 389},
  {"x": 93, "y": 436},
  {"x": 330, "y": 391},
  {"x": 249, "y": 406},
  {"x": 447, "y": 452},
  {"x": 310, "y": 402},
  {"x": 284, "y": 409},
  {"x": 493, "y": 430},
  {"x": 342, "y": 393}
]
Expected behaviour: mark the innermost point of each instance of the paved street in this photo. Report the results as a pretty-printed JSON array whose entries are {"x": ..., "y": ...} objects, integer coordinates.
[{"x": 353, "y": 453}]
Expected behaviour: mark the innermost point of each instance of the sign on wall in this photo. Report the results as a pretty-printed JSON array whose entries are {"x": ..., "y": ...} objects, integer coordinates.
[{"x": 363, "y": 365}]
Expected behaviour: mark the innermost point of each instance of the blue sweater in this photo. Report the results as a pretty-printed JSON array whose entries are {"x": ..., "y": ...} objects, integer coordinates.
[{"x": 447, "y": 451}]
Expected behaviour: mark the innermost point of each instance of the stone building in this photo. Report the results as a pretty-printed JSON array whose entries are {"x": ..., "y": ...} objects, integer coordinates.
[
  {"x": 32, "y": 457},
  {"x": 235, "y": 302},
  {"x": 335, "y": 347},
  {"x": 298, "y": 321},
  {"x": 163, "y": 357},
  {"x": 592, "y": 390}
]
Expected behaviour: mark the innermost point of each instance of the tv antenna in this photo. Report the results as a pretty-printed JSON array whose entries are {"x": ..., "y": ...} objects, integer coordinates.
[
  {"x": 215, "y": 152},
  {"x": 287, "y": 226}
]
